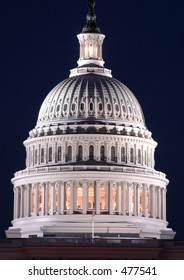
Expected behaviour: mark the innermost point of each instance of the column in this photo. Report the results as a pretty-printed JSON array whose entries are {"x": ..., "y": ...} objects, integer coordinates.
[
  {"x": 129, "y": 199},
  {"x": 138, "y": 199},
  {"x": 135, "y": 199},
  {"x": 84, "y": 197},
  {"x": 119, "y": 199},
  {"x": 43, "y": 199},
  {"x": 15, "y": 212},
  {"x": 61, "y": 195},
  {"x": 97, "y": 197},
  {"x": 71, "y": 197},
  {"x": 123, "y": 201},
  {"x": 159, "y": 203},
  {"x": 52, "y": 187},
  {"x": 110, "y": 198},
  {"x": 27, "y": 201},
  {"x": 145, "y": 210},
  {"x": 46, "y": 199},
  {"x": 21, "y": 201},
  {"x": 163, "y": 204},
  {"x": 153, "y": 204}
]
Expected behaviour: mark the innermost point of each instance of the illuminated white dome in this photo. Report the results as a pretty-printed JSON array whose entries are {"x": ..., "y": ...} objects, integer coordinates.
[
  {"x": 93, "y": 98},
  {"x": 90, "y": 150}
]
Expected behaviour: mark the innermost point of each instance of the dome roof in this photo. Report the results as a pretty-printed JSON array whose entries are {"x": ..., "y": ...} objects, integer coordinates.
[{"x": 91, "y": 98}]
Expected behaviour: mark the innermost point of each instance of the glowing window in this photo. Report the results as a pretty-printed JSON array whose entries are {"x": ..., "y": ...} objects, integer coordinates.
[
  {"x": 103, "y": 198},
  {"x": 79, "y": 197},
  {"x": 67, "y": 198},
  {"x": 114, "y": 198},
  {"x": 90, "y": 197}
]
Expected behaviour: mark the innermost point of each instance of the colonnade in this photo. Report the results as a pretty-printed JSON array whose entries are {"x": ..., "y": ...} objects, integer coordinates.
[{"x": 84, "y": 197}]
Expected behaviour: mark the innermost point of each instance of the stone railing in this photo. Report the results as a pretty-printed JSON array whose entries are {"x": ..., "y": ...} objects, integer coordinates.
[{"x": 142, "y": 171}]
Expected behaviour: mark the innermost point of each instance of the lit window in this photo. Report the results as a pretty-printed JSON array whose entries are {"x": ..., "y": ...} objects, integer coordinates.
[
  {"x": 79, "y": 197},
  {"x": 90, "y": 197},
  {"x": 103, "y": 198},
  {"x": 114, "y": 198},
  {"x": 67, "y": 198}
]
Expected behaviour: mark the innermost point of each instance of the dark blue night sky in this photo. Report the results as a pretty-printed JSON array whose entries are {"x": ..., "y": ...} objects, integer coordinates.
[{"x": 144, "y": 47}]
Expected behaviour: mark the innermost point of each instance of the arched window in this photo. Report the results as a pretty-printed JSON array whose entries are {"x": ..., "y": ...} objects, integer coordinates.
[
  {"x": 42, "y": 155},
  {"x": 113, "y": 154},
  {"x": 139, "y": 156},
  {"x": 69, "y": 153},
  {"x": 123, "y": 156},
  {"x": 131, "y": 155},
  {"x": 91, "y": 152},
  {"x": 59, "y": 153},
  {"x": 36, "y": 156},
  {"x": 80, "y": 153},
  {"x": 102, "y": 153},
  {"x": 50, "y": 154}
]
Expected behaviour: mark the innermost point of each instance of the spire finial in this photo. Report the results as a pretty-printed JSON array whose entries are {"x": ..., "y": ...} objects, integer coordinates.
[
  {"x": 91, "y": 26},
  {"x": 91, "y": 5}
]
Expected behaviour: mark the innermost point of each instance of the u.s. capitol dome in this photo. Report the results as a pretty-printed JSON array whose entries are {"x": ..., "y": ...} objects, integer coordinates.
[{"x": 90, "y": 159}]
